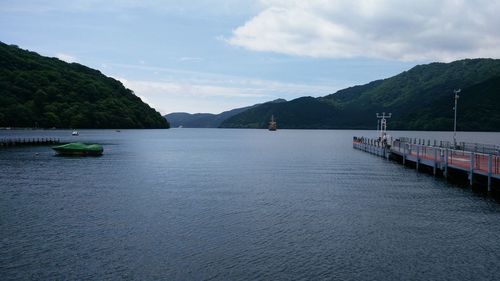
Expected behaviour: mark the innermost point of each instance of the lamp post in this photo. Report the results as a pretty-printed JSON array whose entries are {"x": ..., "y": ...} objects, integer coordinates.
[
  {"x": 378, "y": 125},
  {"x": 455, "y": 122},
  {"x": 383, "y": 123}
]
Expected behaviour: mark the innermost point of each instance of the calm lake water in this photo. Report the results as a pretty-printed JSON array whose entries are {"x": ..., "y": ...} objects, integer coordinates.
[{"x": 214, "y": 204}]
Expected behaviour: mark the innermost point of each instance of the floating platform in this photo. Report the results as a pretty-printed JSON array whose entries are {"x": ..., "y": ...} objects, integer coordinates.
[{"x": 475, "y": 163}]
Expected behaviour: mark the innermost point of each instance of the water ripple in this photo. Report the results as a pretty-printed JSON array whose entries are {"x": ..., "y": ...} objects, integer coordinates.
[{"x": 236, "y": 205}]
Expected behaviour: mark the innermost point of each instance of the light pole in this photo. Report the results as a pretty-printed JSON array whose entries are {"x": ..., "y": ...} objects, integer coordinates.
[
  {"x": 378, "y": 125},
  {"x": 455, "y": 122},
  {"x": 383, "y": 123}
]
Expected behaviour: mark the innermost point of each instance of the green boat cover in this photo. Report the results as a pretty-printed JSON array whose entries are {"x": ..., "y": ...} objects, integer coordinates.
[{"x": 78, "y": 148}]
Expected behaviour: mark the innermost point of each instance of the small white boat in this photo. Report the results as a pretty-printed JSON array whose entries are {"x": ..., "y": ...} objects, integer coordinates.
[{"x": 75, "y": 133}]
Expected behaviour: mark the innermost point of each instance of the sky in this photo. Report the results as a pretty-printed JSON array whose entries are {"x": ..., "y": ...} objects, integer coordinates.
[{"x": 215, "y": 55}]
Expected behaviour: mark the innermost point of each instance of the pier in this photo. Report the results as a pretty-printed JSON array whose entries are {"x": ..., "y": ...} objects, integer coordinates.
[
  {"x": 477, "y": 164},
  {"x": 28, "y": 141}
]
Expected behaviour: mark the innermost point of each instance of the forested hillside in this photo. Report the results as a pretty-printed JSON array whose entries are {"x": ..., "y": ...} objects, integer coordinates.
[
  {"x": 37, "y": 91},
  {"x": 419, "y": 99}
]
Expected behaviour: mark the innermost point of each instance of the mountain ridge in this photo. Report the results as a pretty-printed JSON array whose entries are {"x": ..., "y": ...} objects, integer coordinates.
[
  {"x": 420, "y": 98},
  {"x": 206, "y": 120}
]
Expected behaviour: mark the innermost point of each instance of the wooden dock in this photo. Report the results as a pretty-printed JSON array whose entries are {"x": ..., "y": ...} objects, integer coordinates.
[
  {"x": 480, "y": 163},
  {"x": 28, "y": 141}
]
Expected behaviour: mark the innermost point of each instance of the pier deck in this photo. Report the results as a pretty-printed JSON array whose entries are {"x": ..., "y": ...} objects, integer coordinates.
[
  {"x": 442, "y": 159},
  {"x": 28, "y": 141}
]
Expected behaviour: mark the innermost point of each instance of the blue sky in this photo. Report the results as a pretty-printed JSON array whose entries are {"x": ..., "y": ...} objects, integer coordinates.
[{"x": 211, "y": 56}]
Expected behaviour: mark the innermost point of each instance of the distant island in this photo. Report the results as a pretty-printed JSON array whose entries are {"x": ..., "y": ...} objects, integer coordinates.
[
  {"x": 419, "y": 99},
  {"x": 43, "y": 92}
]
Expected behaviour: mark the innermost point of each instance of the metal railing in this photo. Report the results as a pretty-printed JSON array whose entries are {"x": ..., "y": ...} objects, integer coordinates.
[
  {"x": 468, "y": 160},
  {"x": 464, "y": 146},
  {"x": 28, "y": 141}
]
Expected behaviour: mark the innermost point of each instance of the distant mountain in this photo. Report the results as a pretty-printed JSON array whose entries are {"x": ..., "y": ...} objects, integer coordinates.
[
  {"x": 419, "y": 99},
  {"x": 37, "y": 91},
  {"x": 206, "y": 120},
  {"x": 188, "y": 120}
]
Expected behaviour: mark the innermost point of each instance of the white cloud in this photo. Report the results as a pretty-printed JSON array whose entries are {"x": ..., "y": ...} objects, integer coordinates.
[
  {"x": 388, "y": 29},
  {"x": 191, "y": 59},
  {"x": 216, "y": 95},
  {"x": 174, "y": 96},
  {"x": 212, "y": 7},
  {"x": 150, "y": 88},
  {"x": 66, "y": 57}
]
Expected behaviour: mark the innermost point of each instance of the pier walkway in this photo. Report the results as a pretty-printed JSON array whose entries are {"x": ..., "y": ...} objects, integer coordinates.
[
  {"x": 28, "y": 141},
  {"x": 475, "y": 160}
]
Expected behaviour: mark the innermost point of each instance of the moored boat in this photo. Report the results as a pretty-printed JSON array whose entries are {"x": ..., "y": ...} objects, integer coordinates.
[
  {"x": 75, "y": 133},
  {"x": 79, "y": 149}
]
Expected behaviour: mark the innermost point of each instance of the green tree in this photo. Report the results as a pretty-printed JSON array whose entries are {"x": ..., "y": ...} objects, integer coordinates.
[{"x": 49, "y": 92}]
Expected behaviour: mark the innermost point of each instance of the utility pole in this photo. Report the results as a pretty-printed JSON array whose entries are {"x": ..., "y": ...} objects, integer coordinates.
[
  {"x": 383, "y": 123},
  {"x": 455, "y": 122}
]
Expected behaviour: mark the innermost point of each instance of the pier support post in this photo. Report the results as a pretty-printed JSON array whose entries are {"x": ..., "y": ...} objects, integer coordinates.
[
  {"x": 471, "y": 170},
  {"x": 418, "y": 157},
  {"x": 446, "y": 163},
  {"x": 404, "y": 153},
  {"x": 490, "y": 166},
  {"x": 434, "y": 164}
]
